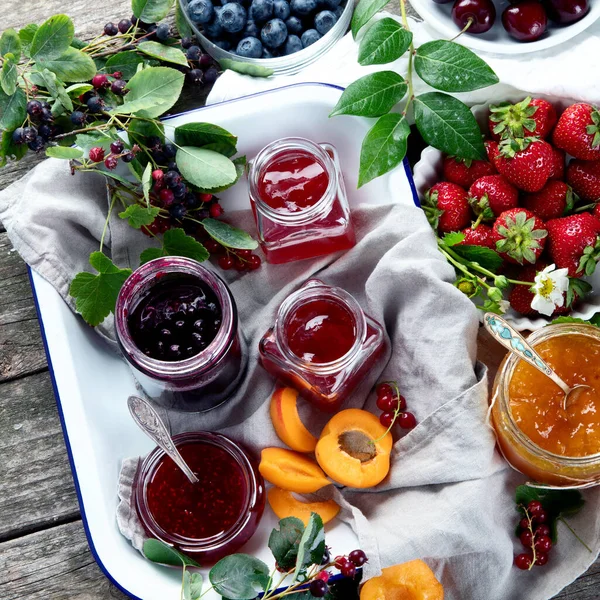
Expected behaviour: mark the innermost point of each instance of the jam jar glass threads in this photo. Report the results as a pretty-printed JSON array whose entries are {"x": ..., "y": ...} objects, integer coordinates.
[
  {"x": 322, "y": 344},
  {"x": 177, "y": 326},
  {"x": 299, "y": 201},
  {"x": 209, "y": 519}
]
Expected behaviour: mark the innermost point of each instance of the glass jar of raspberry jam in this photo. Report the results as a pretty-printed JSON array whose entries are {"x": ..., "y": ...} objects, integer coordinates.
[
  {"x": 209, "y": 519},
  {"x": 322, "y": 344},
  {"x": 177, "y": 326},
  {"x": 299, "y": 201}
]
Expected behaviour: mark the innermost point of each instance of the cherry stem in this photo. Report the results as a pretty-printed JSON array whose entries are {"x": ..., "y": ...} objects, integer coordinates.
[{"x": 469, "y": 23}]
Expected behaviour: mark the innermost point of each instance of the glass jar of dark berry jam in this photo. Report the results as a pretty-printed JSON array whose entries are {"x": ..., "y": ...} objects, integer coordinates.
[
  {"x": 299, "y": 201},
  {"x": 209, "y": 519},
  {"x": 177, "y": 325},
  {"x": 322, "y": 344}
]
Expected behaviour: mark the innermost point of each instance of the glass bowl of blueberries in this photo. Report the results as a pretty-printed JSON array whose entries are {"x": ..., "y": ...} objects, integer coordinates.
[{"x": 281, "y": 35}]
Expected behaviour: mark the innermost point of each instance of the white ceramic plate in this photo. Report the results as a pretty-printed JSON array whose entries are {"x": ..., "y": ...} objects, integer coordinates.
[
  {"x": 497, "y": 40},
  {"x": 428, "y": 171},
  {"x": 91, "y": 383}
]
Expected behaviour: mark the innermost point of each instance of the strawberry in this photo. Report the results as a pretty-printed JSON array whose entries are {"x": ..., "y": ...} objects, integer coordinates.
[
  {"x": 521, "y": 235},
  {"x": 596, "y": 212},
  {"x": 482, "y": 235},
  {"x": 493, "y": 151},
  {"x": 529, "y": 117},
  {"x": 554, "y": 200},
  {"x": 526, "y": 163},
  {"x": 446, "y": 206},
  {"x": 584, "y": 177},
  {"x": 464, "y": 172},
  {"x": 557, "y": 170},
  {"x": 578, "y": 132},
  {"x": 491, "y": 195},
  {"x": 573, "y": 243}
]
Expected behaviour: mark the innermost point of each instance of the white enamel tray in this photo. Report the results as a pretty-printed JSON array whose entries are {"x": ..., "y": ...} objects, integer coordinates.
[{"x": 91, "y": 383}]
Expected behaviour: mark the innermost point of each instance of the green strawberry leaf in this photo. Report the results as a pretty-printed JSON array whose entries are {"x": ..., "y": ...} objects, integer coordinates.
[
  {"x": 486, "y": 257},
  {"x": 452, "y": 239}
]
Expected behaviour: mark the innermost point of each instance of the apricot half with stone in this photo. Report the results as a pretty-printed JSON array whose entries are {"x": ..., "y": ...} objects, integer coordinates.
[
  {"x": 291, "y": 471},
  {"x": 353, "y": 449},
  {"x": 284, "y": 504},
  {"x": 287, "y": 423},
  {"x": 412, "y": 580}
]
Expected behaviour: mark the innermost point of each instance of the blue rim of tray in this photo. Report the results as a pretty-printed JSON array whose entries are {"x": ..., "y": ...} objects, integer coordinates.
[{"x": 51, "y": 369}]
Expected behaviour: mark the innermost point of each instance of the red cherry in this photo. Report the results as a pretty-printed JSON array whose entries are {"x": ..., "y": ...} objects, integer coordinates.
[
  {"x": 407, "y": 420},
  {"x": 402, "y": 401},
  {"x": 523, "y": 561},
  {"x": 525, "y": 21},
  {"x": 566, "y": 11},
  {"x": 384, "y": 389},
  {"x": 541, "y": 558},
  {"x": 117, "y": 75},
  {"x": 387, "y": 403},
  {"x": 526, "y": 538},
  {"x": 386, "y": 419},
  {"x": 244, "y": 253},
  {"x": 543, "y": 544},
  {"x": 481, "y": 14},
  {"x": 225, "y": 262},
  {"x": 254, "y": 262}
]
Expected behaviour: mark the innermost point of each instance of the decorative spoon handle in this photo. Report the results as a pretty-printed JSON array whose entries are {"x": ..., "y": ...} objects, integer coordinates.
[
  {"x": 517, "y": 344},
  {"x": 151, "y": 424}
]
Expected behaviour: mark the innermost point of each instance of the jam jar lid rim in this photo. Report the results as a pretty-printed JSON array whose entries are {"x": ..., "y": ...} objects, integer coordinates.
[
  {"x": 293, "y": 143},
  {"x": 152, "y": 460},
  {"x": 507, "y": 372}
]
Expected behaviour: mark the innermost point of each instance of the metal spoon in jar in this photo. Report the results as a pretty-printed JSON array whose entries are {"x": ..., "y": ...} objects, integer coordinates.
[
  {"x": 152, "y": 425},
  {"x": 510, "y": 338}
]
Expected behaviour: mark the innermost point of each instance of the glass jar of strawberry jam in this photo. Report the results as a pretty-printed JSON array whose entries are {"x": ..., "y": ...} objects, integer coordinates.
[
  {"x": 299, "y": 201},
  {"x": 177, "y": 325},
  {"x": 322, "y": 344},
  {"x": 536, "y": 434},
  {"x": 209, "y": 519}
]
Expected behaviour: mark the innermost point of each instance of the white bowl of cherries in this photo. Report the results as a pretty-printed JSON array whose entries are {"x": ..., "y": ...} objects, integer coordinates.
[{"x": 509, "y": 26}]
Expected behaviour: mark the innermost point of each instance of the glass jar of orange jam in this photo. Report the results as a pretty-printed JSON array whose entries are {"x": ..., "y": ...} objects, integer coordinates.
[{"x": 535, "y": 433}]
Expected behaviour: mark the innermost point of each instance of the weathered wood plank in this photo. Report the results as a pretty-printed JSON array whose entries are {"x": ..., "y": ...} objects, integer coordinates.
[{"x": 53, "y": 565}]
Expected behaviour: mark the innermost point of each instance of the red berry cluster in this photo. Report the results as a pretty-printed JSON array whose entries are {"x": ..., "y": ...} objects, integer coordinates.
[
  {"x": 240, "y": 260},
  {"x": 393, "y": 406},
  {"x": 534, "y": 534},
  {"x": 347, "y": 565}
]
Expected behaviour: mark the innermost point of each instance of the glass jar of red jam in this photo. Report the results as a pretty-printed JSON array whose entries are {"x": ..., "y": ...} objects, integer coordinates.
[
  {"x": 299, "y": 201},
  {"x": 209, "y": 519},
  {"x": 322, "y": 344},
  {"x": 177, "y": 325}
]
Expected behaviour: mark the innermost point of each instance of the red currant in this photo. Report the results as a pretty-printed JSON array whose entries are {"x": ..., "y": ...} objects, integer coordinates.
[
  {"x": 386, "y": 419},
  {"x": 97, "y": 154},
  {"x": 157, "y": 174},
  {"x": 384, "y": 389},
  {"x": 166, "y": 197},
  {"x": 541, "y": 558},
  {"x": 205, "y": 197},
  {"x": 244, "y": 253},
  {"x": 216, "y": 210},
  {"x": 318, "y": 588},
  {"x": 213, "y": 246},
  {"x": 387, "y": 403},
  {"x": 348, "y": 570},
  {"x": 526, "y": 538},
  {"x": 523, "y": 561},
  {"x": 225, "y": 262},
  {"x": 254, "y": 262},
  {"x": 534, "y": 507},
  {"x": 239, "y": 265},
  {"x": 407, "y": 420},
  {"x": 543, "y": 544},
  {"x": 324, "y": 575},
  {"x": 542, "y": 530},
  {"x": 540, "y": 517},
  {"x": 358, "y": 557},
  {"x": 524, "y": 523}
]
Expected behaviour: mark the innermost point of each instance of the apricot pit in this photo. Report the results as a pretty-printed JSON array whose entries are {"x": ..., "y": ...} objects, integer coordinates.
[
  {"x": 287, "y": 423},
  {"x": 284, "y": 504},
  {"x": 291, "y": 471}
]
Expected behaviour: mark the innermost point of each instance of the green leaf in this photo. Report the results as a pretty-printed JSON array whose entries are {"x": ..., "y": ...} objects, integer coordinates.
[
  {"x": 136, "y": 107},
  {"x": 245, "y": 68},
  {"x": 240, "y": 167},
  {"x": 160, "y": 85},
  {"x": 383, "y": 148},
  {"x": 8, "y": 149},
  {"x": 384, "y": 42},
  {"x": 147, "y": 182},
  {"x": 26, "y": 36},
  {"x": 96, "y": 295},
  {"x": 192, "y": 585},
  {"x": 77, "y": 89},
  {"x": 63, "y": 152},
  {"x": 163, "y": 554},
  {"x": 486, "y": 257},
  {"x": 78, "y": 43},
  {"x": 73, "y": 65},
  {"x": 563, "y": 319},
  {"x": 138, "y": 215},
  {"x": 454, "y": 238},
  {"x": 205, "y": 169},
  {"x": 53, "y": 38},
  {"x": 87, "y": 141},
  {"x": 202, "y": 134},
  {"x": 372, "y": 95},
  {"x": 139, "y": 131},
  {"x": 228, "y": 236},
  {"x": 239, "y": 577},
  {"x": 177, "y": 243},
  {"x": 312, "y": 545},
  {"x": 13, "y": 109},
  {"x": 10, "y": 44},
  {"x": 8, "y": 75},
  {"x": 448, "y": 125},
  {"x": 125, "y": 62},
  {"x": 164, "y": 53},
  {"x": 450, "y": 67},
  {"x": 56, "y": 89},
  {"x": 151, "y": 11},
  {"x": 183, "y": 27},
  {"x": 285, "y": 541},
  {"x": 363, "y": 13}
]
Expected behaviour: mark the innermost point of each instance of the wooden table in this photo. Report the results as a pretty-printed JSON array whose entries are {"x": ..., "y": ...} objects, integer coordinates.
[{"x": 43, "y": 550}]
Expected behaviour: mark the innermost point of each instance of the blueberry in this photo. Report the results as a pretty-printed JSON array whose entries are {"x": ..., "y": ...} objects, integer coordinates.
[
  {"x": 281, "y": 9},
  {"x": 201, "y": 11},
  {"x": 261, "y": 10},
  {"x": 251, "y": 29},
  {"x": 193, "y": 53},
  {"x": 250, "y": 47},
  {"x": 186, "y": 42},
  {"x": 213, "y": 30},
  {"x": 274, "y": 33},
  {"x": 324, "y": 21},
  {"x": 223, "y": 44},
  {"x": 17, "y": 136},
  {"x": 179, "y": 191},
  {"x": 163, "y": 31},
  {"x": 210, "y": 75},
  {"x": 303, "y": 7},
  {"x": 170, "y": 150},
  {"x": 37, "y": 144},
  {"x": 339, "y": 11},
  {"x": 266, "y": 53},
  {"x": 232, "y": 17},
  {"x": 77, "y": 117},
  {"x": 294, "y": 25},
  {"x": 292, "y": 44},
  {"x": 329, "y": 4},
  {"x": 45, "y": 131},
  {"x": 310, "y": 36}
]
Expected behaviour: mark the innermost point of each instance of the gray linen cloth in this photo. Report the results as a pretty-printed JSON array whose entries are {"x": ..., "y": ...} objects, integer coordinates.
[{"x": 449, "y": 496}]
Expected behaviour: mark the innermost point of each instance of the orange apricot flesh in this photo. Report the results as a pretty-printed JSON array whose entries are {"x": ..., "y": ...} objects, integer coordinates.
[
  {"x": 287, "y": 423},
  {"x": 284, "y": 504},
  {"x": 291, "y": 471}
]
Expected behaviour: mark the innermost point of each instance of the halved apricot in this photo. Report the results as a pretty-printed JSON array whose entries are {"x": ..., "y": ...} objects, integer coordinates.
[
  {"x": 412, "y": 580},
  {"x": 285, "y": 505},
  {"x": 353, "y": 449},
  {"x": 287, "y": 423},
  {"x": 291, "y": 471}
]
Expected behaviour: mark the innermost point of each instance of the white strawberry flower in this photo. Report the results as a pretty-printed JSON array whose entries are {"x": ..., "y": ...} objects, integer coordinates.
[
  {"x": 503, "y": 305},
  {"x": 549, "y": 288}
]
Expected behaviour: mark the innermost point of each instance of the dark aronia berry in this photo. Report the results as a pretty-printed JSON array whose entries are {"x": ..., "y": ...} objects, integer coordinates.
[
  {"x": 210, "y": 75},
  {"x": 124, "y": 25},
  {"x": 111, "y": 29},
  {"x": 117, "y": 147},
  {"x": 186, "y": 42},
  {"x": 118, "y": 87},
  {"x": 358, "y": 557},
  {"x": 34, "y": 108},
  {"x": 77, "y": 117},
  {"x": 177, "y": 211},
  {"x": 325, "y": 561},
  {"x": 37, "y": 144},
  {"x": 17, "y": 136},
  {"x": 128, "y": 156},
  {"x": 318, "y": 588},
  {"x": 29, "y": 134}
]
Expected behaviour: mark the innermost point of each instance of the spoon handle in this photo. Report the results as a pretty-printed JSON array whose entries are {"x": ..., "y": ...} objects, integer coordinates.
[
  {"x": 150, "y": 422},
  {"x": 517, "y": 344}
]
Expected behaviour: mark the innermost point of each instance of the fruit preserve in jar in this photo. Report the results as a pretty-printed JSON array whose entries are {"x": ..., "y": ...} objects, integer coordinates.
[
  {"x": 322, "y": 344},
  {"x": 177, "y": 326},
  {"x": 536, "y": 433},
  {"x": 209, "y": 519},
  {"x": 299, "y": 201}
]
